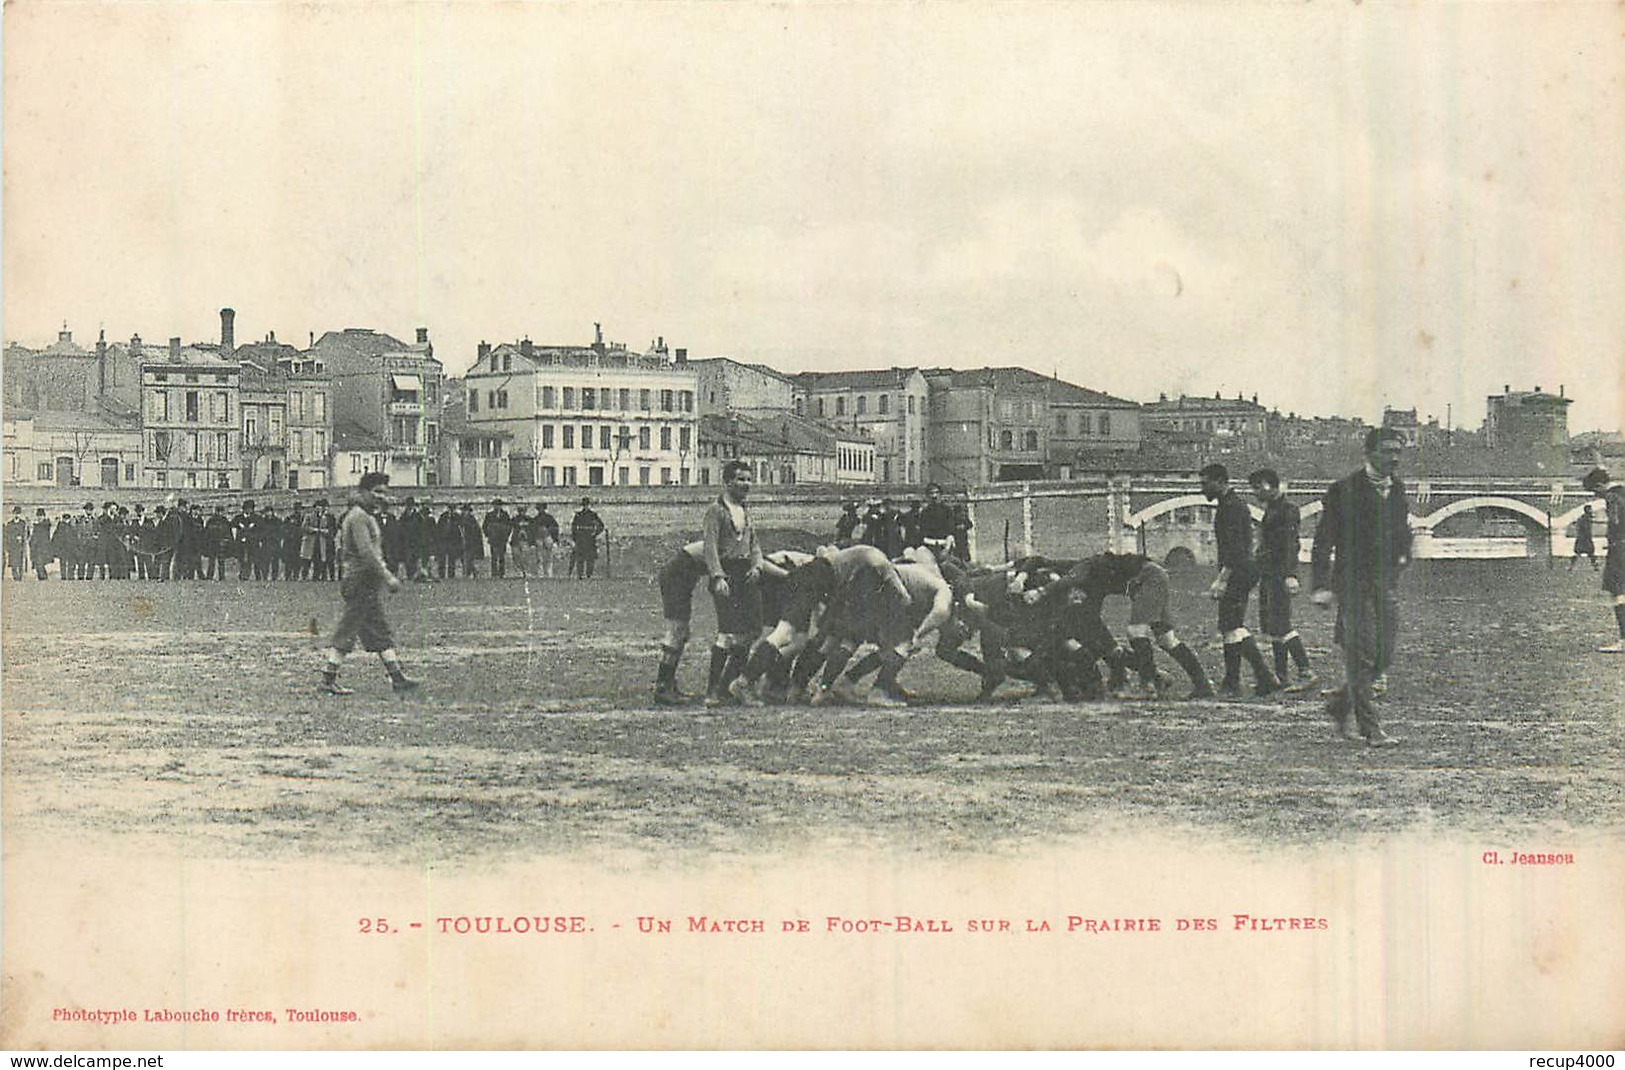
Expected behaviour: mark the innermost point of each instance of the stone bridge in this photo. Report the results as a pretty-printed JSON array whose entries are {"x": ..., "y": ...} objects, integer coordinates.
[{"x": 1168, "y": 519}]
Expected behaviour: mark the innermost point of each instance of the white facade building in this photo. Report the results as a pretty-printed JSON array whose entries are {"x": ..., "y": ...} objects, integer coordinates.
[{"x": 588, "y": 416}]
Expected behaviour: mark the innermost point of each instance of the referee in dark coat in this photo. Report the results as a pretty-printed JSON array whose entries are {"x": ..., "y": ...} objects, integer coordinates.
[{"x": 1362, "y": 544}]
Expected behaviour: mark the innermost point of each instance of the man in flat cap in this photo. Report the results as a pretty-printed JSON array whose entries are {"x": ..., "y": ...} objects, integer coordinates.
[
  {"x": 1612, "y": 493},
  {"x": 498, "y": 530},
  {"x": 366, "y": 577},
  {"x": 1362, "y": 544}
]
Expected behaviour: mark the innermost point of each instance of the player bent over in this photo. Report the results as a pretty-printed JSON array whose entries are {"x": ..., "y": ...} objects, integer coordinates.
[
  {"x": 791, "y": 594},
  {"x": 1612, "y": 492},
  {"x": 366, "y": 577},
  {"x": 677, "y": 579},
  {"x": 897, "y": 628}
]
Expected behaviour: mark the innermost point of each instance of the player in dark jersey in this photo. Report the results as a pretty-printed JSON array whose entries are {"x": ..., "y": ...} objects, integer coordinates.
[
  {"x": 1233, "y": 536},
  {"x": 1277, "y": 560},
  {"x": 677, "y": 578}
]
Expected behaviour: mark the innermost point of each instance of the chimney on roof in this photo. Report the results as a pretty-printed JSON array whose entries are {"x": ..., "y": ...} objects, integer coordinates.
[
  {"x": 423, "y": 336},
  {"x": 1559, "y": 389},
  {"x": 1537, "y": 388},
  {"x": 682, "y": 356},
  {"x": 228, "y": 336},
  {"x": 1507, "y": 388},
  {"x": 101, "y": 362},
  {"x": 1215, "y": 395},
  {"x": 135, "y": 345},
  {"x": 1255, "y": 399},
  {"x": 525, "y": 348},
  {"x": 175, "y": 350},
  {"x": 483, "y": 351},
  {"x": 312, "y": 340},
  {"x": 64, "y": 335}
]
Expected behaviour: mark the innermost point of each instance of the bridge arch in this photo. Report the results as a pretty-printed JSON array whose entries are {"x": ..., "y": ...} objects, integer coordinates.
[
  {"x": 1183, "y": 501},
  {"x": 1512, "y": 505}
]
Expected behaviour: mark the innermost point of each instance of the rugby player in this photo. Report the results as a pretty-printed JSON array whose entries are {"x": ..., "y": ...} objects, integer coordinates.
[{"x": 1612, "y": 492}]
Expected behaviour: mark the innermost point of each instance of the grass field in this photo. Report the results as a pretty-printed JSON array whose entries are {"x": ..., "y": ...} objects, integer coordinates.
[{"x": 189, "y": 710}]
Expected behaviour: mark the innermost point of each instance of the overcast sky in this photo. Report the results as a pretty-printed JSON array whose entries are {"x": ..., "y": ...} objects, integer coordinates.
[{"x": 1334, "y": 207}]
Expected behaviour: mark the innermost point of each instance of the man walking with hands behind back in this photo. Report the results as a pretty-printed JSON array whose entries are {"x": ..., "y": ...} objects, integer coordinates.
[
  {"x": 1362, "y": 544},
  {"x": 366, "y": 577}
]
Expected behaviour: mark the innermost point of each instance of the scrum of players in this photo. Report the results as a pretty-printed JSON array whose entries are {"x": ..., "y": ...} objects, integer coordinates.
[{"x": 837, "y": 626}]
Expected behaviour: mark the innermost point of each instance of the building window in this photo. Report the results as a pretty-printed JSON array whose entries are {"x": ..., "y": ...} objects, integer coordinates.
[
  {"x": 705, "y": 477},
  {"x": 275, "y": 416},
  {"x": 507, "y": 362},
  {"x": 473, "y": 401},
  {"x": 643, "y": 400},
  {"x": 547, "y": 436},
  {"x": 220, "y": 408},
  {"x": 250, "y": 432},
  {"x": 884, "y": 404},
  {"x": 886, "y": 471},
  {"x": 222, "y": 446},
  {"x": 502, "y": 399},
  {"x": 318, "y": 407},
  {"x": 1060, "y": 423},
  {"x": 490, "y": 399},
  {"x": 160, "y": 478},
  {"x": 1084, "y": 422},
  {"x": 569, "y": 436},
  {"x": 625, "y": 399},
  {"x": 603, "y": 437},
  {"x": 665, "y": 477},
  {"x": 911, "y": 404},
  {"x": 569, "y": 397},
  {"x": 684, "y": 438},
  {"x": 160, "y": 405},
  {"x": 643, "y": 475},
  {"x": 1105, "y": 423},
  {"x": 569, "y": 475},
  {"x": 820, "y": 406},
  {"x": 595, "y": 475},
  {"x": 682, "y": 477},
  {"x": 548, "y": 397},
  {"x": 550, "y": 476},
  {"x": 191, "y": 407},
  {"x": 45, "y": 471},
  {"x": 665, "y": 401},
  {"x": 1007, "y": 440},
  {"x": 1031, "y": 440},
  {"x": 643, "y": 438},
  {"x": 665, "y": 438},
  {"x": 129, "y": 472},
  {"x": 688, "y": 401},
  {"x": 321, "y": 446},
  {"x": 586, "y": 436},
  {"x": 840, "y": 406},
  {"x": 589, "y": 398},
  {"x": 863, "y": 405}
]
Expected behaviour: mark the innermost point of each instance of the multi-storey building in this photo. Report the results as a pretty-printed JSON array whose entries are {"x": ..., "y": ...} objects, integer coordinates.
[
  {"x": 470, "y": 456},
  {"x": 191, "y": 418},
  {"x": 390, "y": 392},
  {"x": 1218, "y": 424},
  {"x": 287, "y": 416},
  {"x": 264, "y": 405},
  {"x": 889, "y": 406},
  {"x": 998, "y": 424},
  {"x": 71, "y": 449},
  {"x": 726, "y": 385},
  {"x": 1527, "y": 420},
  {"x": 66, "y": 377},
  {"x": 784, "y": 448},
  {"x": 592, "y": 415}
]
